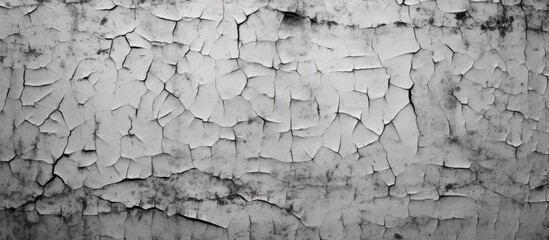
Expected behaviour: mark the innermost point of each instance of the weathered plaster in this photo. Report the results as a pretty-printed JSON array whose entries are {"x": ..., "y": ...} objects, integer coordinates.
[{"x": 280, "y": 119}]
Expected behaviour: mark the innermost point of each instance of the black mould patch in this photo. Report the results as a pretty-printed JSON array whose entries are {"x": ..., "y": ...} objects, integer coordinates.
[
  {"x": 102, "y": 51},
  {"x": 292, "y": 19},
  {"x": 32, "y": 53},
  {"x": 502, "y": 24},
  {"x": 449, "y": 186},
  {"x": 331, "y": 23},
  {"x": 401, "y": 24},
  {"x": 460, "y": 16},
  {"x": 76, "y": 2},
  {"x": 455, "y": 140}
]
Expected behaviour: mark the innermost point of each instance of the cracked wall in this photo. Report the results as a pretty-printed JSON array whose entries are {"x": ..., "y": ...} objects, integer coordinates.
[{"x": 280, "y": 119}]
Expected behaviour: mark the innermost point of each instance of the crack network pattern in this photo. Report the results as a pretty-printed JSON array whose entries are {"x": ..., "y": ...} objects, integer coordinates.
[{"x": 274, "y": 119}]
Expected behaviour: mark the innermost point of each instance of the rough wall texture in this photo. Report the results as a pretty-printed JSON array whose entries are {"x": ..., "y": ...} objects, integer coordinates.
[{"x": 281, "y": 119}]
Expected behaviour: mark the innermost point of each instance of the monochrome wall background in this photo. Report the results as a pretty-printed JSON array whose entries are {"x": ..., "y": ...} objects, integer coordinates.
[{"x": 280, "y": 119}]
